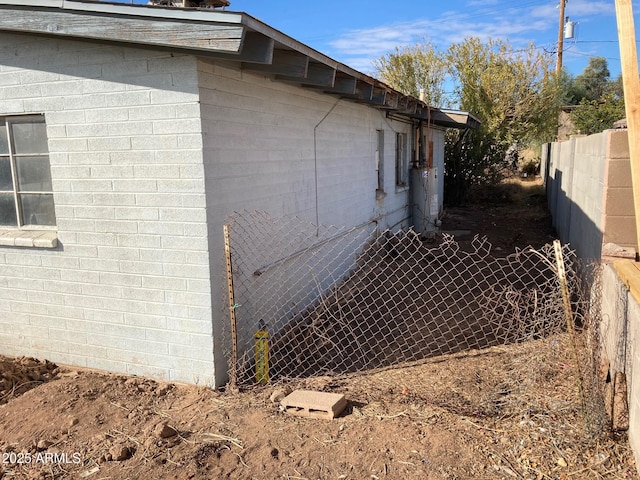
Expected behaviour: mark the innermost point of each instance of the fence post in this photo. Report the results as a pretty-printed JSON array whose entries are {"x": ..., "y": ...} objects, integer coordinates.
[
  {"x": 562, "y": 278},
  {"x": 631, "y": 87},
  {"x": 233, "y": 362},
  {"x": 566, "y": 299}
]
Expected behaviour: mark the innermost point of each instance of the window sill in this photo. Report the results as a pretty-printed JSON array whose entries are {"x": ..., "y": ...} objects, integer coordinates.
[{"x": 29, "y": 238}]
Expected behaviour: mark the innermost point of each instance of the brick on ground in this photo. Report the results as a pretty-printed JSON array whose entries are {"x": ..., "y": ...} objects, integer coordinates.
[{"x": 312, "y": 404}]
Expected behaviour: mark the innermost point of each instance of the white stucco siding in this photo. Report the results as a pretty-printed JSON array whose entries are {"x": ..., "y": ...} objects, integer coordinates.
[{"x": 128, "y": 288}]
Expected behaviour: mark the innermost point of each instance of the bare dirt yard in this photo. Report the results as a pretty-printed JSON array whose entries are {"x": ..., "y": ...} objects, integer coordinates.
[
  {"x": 512, "y": 215},
  {"x": 508, "y": 412}
]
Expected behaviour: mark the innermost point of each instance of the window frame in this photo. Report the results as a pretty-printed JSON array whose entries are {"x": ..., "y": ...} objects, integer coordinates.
[
  {"x": 14, "y": 158},
  {"x": 380, "y": 162},
  {"x": 402, "y": 162}
]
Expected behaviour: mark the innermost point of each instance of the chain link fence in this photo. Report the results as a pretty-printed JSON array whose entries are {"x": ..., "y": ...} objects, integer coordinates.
[{"x": 309, "y": 300}]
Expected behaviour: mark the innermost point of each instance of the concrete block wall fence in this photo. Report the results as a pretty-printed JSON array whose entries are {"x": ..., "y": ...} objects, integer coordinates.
[
  {"x": 589, "y": 193},
  {"x": 620, "y": 336}
]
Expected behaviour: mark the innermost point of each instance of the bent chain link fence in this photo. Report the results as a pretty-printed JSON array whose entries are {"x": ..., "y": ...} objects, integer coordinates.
[{"x": 327, "y": 300}]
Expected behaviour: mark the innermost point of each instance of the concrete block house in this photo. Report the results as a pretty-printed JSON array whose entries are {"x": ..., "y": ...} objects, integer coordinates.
[{"x": 128, "y": 134}]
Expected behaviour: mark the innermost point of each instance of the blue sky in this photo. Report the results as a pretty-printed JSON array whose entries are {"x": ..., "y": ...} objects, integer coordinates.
[{"x": 356, "y": 32}]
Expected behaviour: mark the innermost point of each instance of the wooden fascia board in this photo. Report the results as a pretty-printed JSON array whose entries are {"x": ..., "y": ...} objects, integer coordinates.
[
  {"x": 222, "y": 35},
  {"x": 160, "y": 32},
  {"x": 150, "y": 11},
  {"x": 35, "y": 3}
]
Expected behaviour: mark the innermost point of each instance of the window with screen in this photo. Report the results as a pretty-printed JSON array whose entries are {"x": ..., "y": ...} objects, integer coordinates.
[
  {"x": 402, "y": 167},
  {"x": 26, "y": 197}
]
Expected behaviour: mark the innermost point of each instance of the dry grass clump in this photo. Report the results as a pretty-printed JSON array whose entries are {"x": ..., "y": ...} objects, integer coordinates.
[
  {"x": 526, "y": 412},
  {"x": 511, "y": 191},
  {"x": 22, "y": 374}
]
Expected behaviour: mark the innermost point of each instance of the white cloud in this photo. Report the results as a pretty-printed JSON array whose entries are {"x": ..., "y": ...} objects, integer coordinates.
[
  {"x": 375, "y": 42},
  {"x": 359, "y": 48},
  {"x": 585, "y": 8},
  {"x": 482, "y": 3}
]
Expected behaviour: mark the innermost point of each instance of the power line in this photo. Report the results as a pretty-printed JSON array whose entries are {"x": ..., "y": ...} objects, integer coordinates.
[
  {"x": 596, "y": 41},
  {"x": 591, "y": 55}
]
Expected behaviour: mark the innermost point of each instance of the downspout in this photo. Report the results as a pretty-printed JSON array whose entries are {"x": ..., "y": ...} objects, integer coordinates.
[
  {"x": 315, "y": 162},
  {"x": 428, "y": 168}
]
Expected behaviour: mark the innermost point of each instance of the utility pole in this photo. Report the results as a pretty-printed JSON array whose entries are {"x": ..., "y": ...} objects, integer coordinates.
[
  {"x": 631, "y": 84},
  {"x": 560, "y": 38}
]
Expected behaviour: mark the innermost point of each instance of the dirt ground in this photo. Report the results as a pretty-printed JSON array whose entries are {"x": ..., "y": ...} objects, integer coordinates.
[
  {"x": 509, "y": 412},
  {"x": 513, "y": 215}
]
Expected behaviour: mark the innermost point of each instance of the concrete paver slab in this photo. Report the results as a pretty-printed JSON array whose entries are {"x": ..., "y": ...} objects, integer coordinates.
[{"x": 312, "y": 404}]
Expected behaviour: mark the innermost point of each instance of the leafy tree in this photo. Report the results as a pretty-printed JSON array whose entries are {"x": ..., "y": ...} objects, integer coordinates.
[
  {"x": 591, "y": 84},
  {"x": 516, "y": 101},
  {"x": 570, "y": 92},
  {"x": 594, "y": 79},
  {"x": 472, "y": 157},
  {"x": 508, "y": 90},
  {"x": 415, "y": 68},
  {"x": 615, "y": 87},
  {"x": 599, "y": 99},
  {"x": 594, "y": 116}
]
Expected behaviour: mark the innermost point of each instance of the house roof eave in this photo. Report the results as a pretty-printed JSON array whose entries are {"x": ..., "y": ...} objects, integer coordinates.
[
  {"x": 456, "y": 119},
  {"x": 225, "y": 35}
]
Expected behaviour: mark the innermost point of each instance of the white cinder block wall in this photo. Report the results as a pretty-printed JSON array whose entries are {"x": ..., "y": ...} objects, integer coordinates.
[
  {"x": 136, "y": 284},
  {"x": 264, "y": 141},
  {"x": 264, "y": 144},
  {"x": 128, "y": 288}
]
